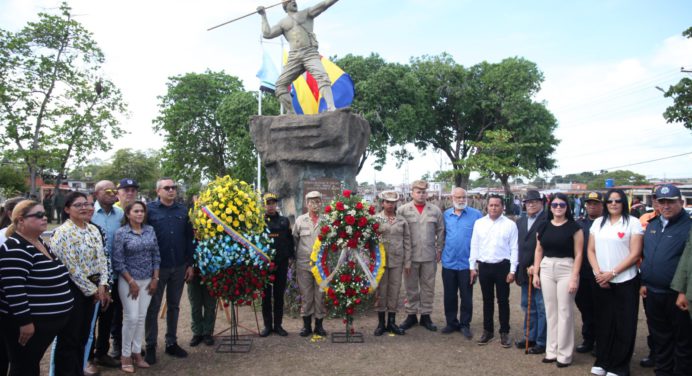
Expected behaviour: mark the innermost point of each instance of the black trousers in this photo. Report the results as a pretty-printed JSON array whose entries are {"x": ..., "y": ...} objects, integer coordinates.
[
  {"x": 4, "y": 357},
  {"x": 671, "y": 331},
  {"x": 101, "y": 345},
  {"x": 69, "y": 350},
  {"x": 616, "y": 325},
  {"x": 585, "y": 303},
  {"x": 454, "y": 281},
  {"x": 276, "y": 291},
  {"x": 493, "y": 278},
  {"x": 116, "y": 321},
  {"x": 26, "y": 360}
]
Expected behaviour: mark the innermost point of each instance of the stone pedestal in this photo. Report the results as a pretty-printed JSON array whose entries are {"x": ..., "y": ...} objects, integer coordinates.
[{"x": 297, "y": 148}]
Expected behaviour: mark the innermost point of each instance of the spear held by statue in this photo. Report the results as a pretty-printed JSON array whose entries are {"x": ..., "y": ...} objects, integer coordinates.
[{"x": 247, "y": 15}]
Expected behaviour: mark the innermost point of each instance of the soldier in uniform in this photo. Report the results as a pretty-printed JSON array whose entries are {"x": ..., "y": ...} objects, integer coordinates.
[
  {"x": 305, "y": 231},
  {"x": 426, "y": 224},
  {"x": 280, "y": 231},
  {"x": 397, "y": 244}
]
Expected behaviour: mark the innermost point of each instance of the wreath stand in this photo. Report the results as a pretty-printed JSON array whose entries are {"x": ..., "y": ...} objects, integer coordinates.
[
  {"x": 233, "y": 343},
  {"x": 349, "y": 336}
]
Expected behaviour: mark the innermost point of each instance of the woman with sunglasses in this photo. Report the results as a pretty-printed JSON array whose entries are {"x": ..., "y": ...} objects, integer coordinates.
[
  {"x": 136, "y": 259},
  {"x": 557, "y": 262},
  {"x": 615, "y": 246},
  {"x": 80, "y": 247},
  {"x": 35, "y": 297}
]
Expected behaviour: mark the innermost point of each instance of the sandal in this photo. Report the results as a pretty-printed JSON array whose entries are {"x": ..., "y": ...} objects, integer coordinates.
[
  {"x": 126, "y": 365},
  {"x": 139, "y": 361}
]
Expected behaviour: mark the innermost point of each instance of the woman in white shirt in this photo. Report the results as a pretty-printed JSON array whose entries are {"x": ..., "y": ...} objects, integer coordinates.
[{"x": 615, "y": 246}]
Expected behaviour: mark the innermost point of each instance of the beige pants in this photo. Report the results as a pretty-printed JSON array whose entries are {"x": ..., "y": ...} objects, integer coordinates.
[
  {"x": 311, "y": 294},
  {"x": 555, "y": 276},
  {"x": 387, "y": 293},
  {"x": 420, "y": 288}
]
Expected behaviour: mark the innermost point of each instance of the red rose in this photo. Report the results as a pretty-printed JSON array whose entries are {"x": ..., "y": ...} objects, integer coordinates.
[
  {"x": 357, "y": 235},
  {"x": 272, "y": 266},
  {"x": 343, "y": 235},
  {"x": 325, "y": 229},
  {"x": 328, "y": 209},
  {"x": 351, "y": 264},
  {"x": 340, "y": 206},
  {"x": 359, "y": 205},
  {"x": 236, "y": 292},
  {"x": 364, "y": 290},
  {"x": 336, "y": 303},
  {"x": 352, "y": 243},
  {"x": 358, "y": 301},
  {"x": 357, "y": 278},
  {"x": 375, "y": 226},
  {"x": 225, "y": 304},
  {"x": 350, "y": 220},
  {"x": 349, "y": 311},
  {"x": 334, "y": 247},
  {"x": 272, "y": 278},
  {"x": 213, "y": 279},
  {"x": 345, "y": 278},
  {"x": 371, "y": 210},
  {"x": 254, "y": 296},
  {"x": 320, "y": 237},
  {"x": 347, "y": 193},
  {"x": 362, "y": 222}
]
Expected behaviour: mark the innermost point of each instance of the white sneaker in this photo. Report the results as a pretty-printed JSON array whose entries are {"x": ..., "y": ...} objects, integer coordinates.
[
  {"x": 611, "y": 374},
  {"x": 598, "y": 371}
]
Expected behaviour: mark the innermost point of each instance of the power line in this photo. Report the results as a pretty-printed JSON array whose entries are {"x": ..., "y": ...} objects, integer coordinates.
[{"x": 643, "y": 162}]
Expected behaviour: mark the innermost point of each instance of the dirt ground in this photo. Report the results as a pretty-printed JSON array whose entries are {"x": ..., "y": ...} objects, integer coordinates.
[{"x": 419, "y": 352}]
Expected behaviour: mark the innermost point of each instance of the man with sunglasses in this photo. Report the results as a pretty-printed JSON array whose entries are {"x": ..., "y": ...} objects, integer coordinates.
[
  {"x": 664, "y": 241},
  {"x": 108, "y": 217},
  {"x": 176, "y": 246}
]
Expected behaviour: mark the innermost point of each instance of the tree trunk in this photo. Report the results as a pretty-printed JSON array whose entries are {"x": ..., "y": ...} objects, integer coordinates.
[
  {"x": 461, "y": 179},
  {"x": 32, "y": 174},
  {"x": 509, "y": 198}
]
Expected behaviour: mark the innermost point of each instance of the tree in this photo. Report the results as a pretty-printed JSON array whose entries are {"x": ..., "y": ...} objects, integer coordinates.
[
  {"x": 681, "y": 110},
  {"x": 143, "y": 166},
  {"x": 54, "y": 107},
  {"x": 12, "y": 181},
  {"x": 204, "y": 118},
  {"x": 453, "y": 107}
]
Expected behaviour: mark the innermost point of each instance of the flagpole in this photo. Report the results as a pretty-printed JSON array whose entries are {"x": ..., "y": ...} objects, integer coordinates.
[{"x": 259, "y": 161}]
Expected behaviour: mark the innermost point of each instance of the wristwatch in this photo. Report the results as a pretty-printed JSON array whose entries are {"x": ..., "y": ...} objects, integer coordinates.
[{"x": 614, "y": 274}]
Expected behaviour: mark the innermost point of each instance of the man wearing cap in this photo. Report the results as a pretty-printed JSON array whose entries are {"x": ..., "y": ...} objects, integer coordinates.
[
  {"x": 305, "y": 231},
  {"x": 527, "y": 226},
  {"x": 396, "y": 239},
  {"x": 426, "y": 223},
  {"x": 585, "y": 298},
  {"x": 174, "y": 235},
  {"x": 280, "y": 231},
  {"x": 456, "y": 277},
  {"x": 494, "y": 252},
  {"x": 664, "y": 241},
  {"x": 109, "y": 218},
  {"x": 127, "y": 192}
]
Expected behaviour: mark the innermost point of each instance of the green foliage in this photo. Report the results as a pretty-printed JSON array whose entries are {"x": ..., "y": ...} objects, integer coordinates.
[
  {"x": 597, "y": 180},
  {"x": 12, "y": 181},
  {"x": 54, "y": 106},
  {"x": 204, "y": 118},
  {"x": 143, "y": 166},
  {"x": 681, "y": 110}
]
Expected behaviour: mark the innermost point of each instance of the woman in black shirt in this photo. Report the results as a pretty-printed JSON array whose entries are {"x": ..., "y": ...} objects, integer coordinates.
[
  {"x": 557, "y": 262},
  {"x": 35, "y": 297}
]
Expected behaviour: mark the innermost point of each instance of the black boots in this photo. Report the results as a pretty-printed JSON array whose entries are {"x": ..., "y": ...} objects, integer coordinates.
[
  {"x": 427, "y": 323},
  {"x": 307, "y": 326},
  {"x": 267, "y": 326},
  {"x": 410, "y": 321},
  {"x": 278, "y": 329},
  {"x": 380, "y": 325},
  {"x": 319, "y": 330},
  {"x": 391, "y": 325}
]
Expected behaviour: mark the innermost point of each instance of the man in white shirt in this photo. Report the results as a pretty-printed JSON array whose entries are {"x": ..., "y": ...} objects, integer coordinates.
[{"x": 494, "y": 249}]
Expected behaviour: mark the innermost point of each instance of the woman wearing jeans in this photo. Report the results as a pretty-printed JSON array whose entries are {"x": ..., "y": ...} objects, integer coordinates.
[
  {"x": 557, "y": 261},
  {"x": 615, "y": 246},
  {"x": 136, "y": 259}
]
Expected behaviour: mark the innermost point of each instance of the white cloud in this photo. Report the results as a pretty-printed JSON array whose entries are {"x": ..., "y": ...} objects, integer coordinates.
[{"x": 675, "y": 52}]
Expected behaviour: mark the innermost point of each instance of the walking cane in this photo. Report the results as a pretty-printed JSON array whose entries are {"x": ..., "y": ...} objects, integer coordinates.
[{"x": 528, "y": 316}]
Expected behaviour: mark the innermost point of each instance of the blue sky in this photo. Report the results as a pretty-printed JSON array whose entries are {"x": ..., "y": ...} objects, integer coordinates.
[{"x": 601, "y": 59}]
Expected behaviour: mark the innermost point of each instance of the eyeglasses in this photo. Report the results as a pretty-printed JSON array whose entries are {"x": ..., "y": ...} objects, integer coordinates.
[
  {"x": 82, "y": 205},
  {"x": 614, "y": 201},
  {"x": 561, "y": 205},
  {"x": 38, "y": 215},
  {"x": 169, "y": 188},
  {"x": 110, "y": 191}
]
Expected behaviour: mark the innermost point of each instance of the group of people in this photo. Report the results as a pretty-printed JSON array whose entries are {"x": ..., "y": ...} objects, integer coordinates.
[{"x": 113, "y": 259}]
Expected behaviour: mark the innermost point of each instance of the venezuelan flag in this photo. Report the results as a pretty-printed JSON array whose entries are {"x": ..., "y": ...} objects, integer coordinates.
[{"x": 306, "y": 94}]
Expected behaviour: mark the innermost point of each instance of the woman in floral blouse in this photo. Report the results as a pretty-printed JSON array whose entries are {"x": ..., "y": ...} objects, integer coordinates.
[
  {"x": 136, "y": 259},
  {"x": 79, "y": 246}
]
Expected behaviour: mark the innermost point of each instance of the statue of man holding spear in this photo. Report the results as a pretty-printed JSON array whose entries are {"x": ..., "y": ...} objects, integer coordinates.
[{"x": 297, "y": 28}]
